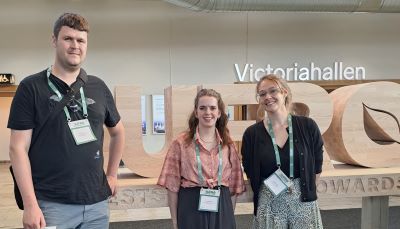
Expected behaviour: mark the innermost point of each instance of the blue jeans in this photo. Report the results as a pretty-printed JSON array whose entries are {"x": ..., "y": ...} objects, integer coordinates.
[{"x": 63, "y": 216}]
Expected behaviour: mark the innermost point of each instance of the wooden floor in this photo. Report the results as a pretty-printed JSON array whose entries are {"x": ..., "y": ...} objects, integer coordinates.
[{"x": 10, "y": 215}]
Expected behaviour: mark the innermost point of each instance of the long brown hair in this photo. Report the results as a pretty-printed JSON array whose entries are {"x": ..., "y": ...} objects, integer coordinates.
[{"x": 221, "y": 123}]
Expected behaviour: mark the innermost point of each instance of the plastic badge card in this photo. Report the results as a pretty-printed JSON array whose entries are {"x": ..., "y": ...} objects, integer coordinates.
[
  {"x": 209, "y": 200},
  {"x": 81, "y": 131},
  {"x": 277, "y": 182}
]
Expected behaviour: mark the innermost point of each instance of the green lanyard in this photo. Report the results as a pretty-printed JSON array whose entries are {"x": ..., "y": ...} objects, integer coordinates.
[
  {"x": 278, "y": 159},
  {"x": 55, "y": 90},
  {"x": 201, "y": 178}
]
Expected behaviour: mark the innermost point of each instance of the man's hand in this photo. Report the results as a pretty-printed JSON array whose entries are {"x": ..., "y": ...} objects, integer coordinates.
[
  {"x": 33, "y": 218},
  {"x": 117, "y": 141},
  {"x": 20, "y": 141},
  {"x": 112, "y": 182}
]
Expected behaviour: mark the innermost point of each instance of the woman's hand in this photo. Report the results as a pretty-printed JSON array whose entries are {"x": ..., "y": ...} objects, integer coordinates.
[{"x": 211, "y": 183}]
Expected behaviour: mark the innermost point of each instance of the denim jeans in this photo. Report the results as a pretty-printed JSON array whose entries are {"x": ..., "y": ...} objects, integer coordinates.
[{"x": 63, "y": 216}]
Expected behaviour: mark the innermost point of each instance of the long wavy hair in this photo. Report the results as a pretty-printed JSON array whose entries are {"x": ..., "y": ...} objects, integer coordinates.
[{"x": 221, "y": 123}]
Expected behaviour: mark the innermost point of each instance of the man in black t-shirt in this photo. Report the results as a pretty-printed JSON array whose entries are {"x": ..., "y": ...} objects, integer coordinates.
[{"x": 58, "y": 162}]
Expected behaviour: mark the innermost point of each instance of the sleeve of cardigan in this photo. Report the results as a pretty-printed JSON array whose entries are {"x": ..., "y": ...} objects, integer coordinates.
[
  {"x": 317, "y": 146},
  {"x": 246, "y": 152}
]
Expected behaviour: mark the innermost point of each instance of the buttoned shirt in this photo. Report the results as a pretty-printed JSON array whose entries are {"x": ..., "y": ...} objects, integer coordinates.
[{"x": 180, "y": 165}]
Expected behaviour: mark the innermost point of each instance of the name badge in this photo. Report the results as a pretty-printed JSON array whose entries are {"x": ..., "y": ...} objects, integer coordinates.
[
  {"x": 209, "y": 200},
  {"x": 81, "y": 131},
  {"x": 278, "y": 182}
]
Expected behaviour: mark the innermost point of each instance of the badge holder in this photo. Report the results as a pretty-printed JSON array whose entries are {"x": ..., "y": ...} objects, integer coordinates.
[
  {"x": 278, "y": 182},
  {"x": 209, "y": 200},
  {"x": 81, "y": 131}
]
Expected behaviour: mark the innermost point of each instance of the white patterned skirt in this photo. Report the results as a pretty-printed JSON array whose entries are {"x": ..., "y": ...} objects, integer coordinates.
[{"x": 286, "y": 210}]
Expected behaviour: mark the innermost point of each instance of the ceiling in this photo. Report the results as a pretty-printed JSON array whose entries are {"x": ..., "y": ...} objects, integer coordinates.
[{"x": 373, "y": 6}]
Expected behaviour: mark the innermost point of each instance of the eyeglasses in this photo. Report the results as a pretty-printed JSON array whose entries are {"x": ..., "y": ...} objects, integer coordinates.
[{"x": 272, "y": 92}]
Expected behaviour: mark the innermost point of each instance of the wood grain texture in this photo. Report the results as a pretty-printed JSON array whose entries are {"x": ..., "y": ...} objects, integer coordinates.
[
  {"x": 178, "y": 105},
  {"x": 340, "y": 188},
  {"x": 348, "y": 138},
  {"x": 341, "y": 182},
  {"x": 8, "y": 90},
  {"x": 315, "y": 98},
  {"x": 5, "y": 103}
]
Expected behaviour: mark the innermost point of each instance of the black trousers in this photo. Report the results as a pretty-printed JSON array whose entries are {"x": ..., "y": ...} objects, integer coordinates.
[{"x": 189, "y": 217}]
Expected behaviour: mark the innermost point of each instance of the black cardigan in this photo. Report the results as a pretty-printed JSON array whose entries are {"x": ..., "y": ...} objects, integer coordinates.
[{"x": 309, "y": 143}]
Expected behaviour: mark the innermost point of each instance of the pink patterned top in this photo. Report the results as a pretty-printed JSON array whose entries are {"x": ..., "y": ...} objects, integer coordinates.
[{"x": 180, "y": 166}]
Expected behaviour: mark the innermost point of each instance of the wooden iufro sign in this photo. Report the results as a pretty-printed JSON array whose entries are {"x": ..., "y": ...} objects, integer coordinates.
[
  {"x": 365, "y": 128},
  {"x": 6, "y": 79},
  {"x": 359, "y": 123}
]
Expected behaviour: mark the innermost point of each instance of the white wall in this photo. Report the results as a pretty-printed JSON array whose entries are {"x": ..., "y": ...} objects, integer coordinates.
[{"x": 153, "y": 44}]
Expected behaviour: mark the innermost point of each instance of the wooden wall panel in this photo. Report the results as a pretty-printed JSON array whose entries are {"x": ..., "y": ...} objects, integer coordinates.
[
  {"x": 178, "y": 105},
  {"x": 348, "y": 139}
]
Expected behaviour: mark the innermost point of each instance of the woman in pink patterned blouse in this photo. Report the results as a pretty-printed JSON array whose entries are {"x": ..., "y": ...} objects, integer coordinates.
[{"x": 202, "y": 171}]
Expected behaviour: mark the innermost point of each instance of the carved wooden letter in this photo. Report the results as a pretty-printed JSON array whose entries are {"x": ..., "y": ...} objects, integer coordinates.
[
  {"x": 179, "y": 104},
  {"x": 365, "y": 127}
]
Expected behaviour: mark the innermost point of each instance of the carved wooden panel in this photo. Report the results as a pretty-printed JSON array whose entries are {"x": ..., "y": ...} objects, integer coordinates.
[
  {"x": 365, "y": 128},
  {"x": 338, "y": 183},
  {"x": 179, "y": 104},
  {"x": 5, "y": 103}
]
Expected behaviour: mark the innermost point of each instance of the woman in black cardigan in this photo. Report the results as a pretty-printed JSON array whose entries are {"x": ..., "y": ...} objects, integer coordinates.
[{"x": 282, "y": 157}]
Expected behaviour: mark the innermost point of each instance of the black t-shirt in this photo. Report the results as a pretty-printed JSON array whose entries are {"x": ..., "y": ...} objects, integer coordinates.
[{"x": 61, "y": 170}]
